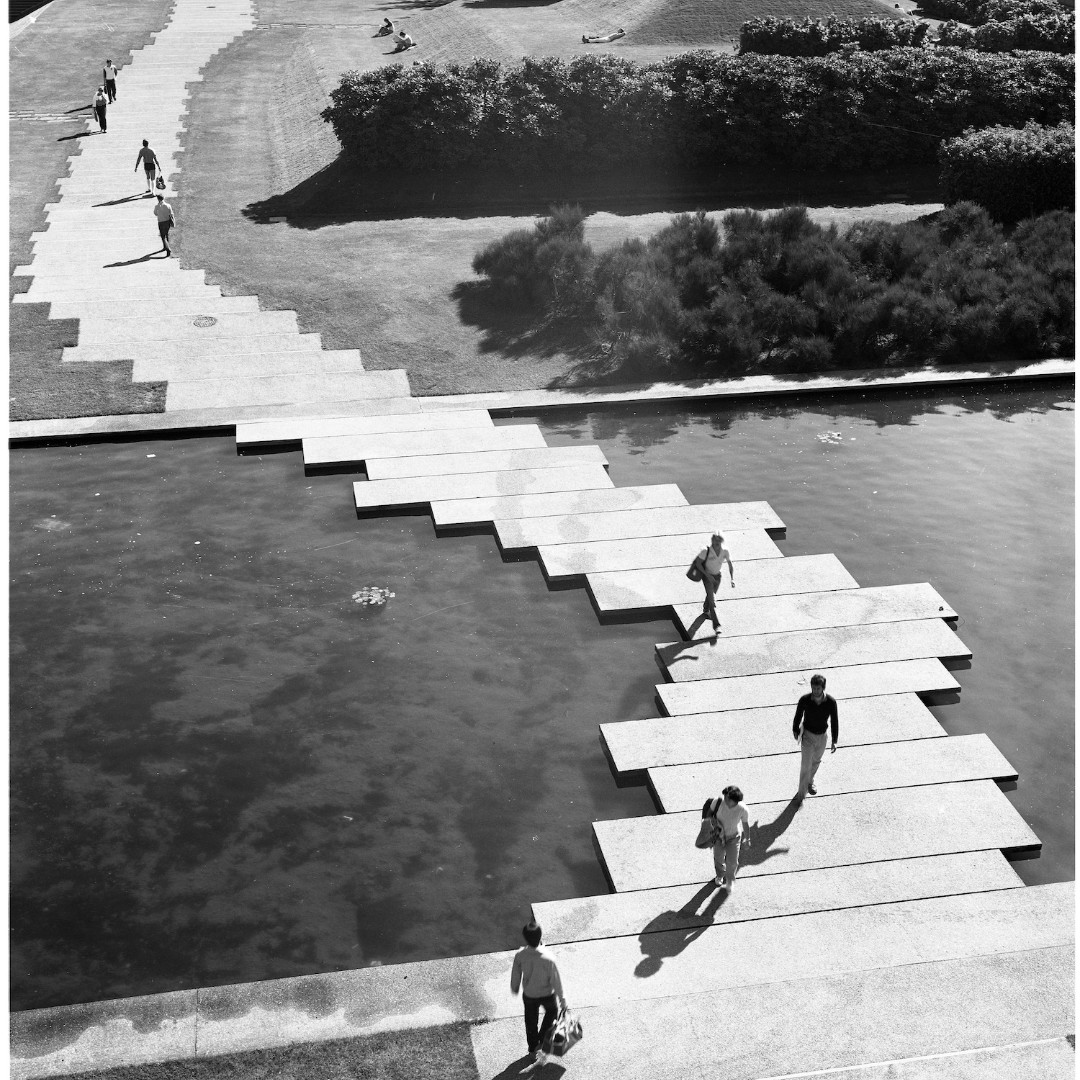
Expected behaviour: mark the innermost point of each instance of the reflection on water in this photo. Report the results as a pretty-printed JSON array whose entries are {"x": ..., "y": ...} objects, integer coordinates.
[{"x": 226, "y": 767}]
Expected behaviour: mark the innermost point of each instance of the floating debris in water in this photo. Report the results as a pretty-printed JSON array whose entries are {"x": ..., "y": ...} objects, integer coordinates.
[
  {"x": 372, "y": 595},
  {"x": 52, "y": 524},
  {"x": 830, "y": 437}
]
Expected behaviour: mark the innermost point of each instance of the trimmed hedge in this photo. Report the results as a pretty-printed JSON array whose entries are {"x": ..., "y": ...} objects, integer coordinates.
[
  {"x": 1012, "y": 173},
  {"x": 977, "y": 12},
  {"x": 819, "y": 37},
  {"x": 1045, "y": 33},
  {"x": 593, "y": 113},
  {"x": 779, "y": 293}
]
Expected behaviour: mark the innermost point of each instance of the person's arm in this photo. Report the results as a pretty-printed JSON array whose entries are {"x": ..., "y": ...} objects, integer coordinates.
[
  {"x": 515, "y": 974},
  {"x": 730, "y": 566},
  {"x": 746, "y": 825},
  {"x": 556, "y": 982},
  {"x": 835, "y": 718},
  {"x": 798, "y": 719}
]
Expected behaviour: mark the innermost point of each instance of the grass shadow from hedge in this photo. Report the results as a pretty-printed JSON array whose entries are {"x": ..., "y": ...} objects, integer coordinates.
[{"x": 341, "y": 193}]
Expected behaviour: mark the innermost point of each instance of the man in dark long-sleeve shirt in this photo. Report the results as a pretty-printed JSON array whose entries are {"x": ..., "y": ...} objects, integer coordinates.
[{"x": 813, "y": 715}]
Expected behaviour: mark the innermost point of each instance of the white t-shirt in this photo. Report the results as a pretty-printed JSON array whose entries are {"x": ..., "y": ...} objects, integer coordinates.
[
  {"x": 734, "y": 819},
  {"x": 110, "y": 72},
  {"x": 712, "y": 562}
]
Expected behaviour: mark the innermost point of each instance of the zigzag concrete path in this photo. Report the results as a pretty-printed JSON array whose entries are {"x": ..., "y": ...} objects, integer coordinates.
[{"x": 100, "y": 260}]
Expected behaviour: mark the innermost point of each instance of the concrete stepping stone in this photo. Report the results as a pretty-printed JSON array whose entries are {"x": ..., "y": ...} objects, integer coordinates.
[
  {"x": 785, "y": 688},
  {"x": 816, "y": 611},
  {"x": 420, "y": 490},
  {"x": 637, "y": 522},
  {"x": 223, "y": 349},
  {"x": 595, "y": 556},
  {"x": 482, "y": 511},
  {"x": 666, "y": 586},
  {"x": 840, "y": 830},
  {"x": 351, "y": 449},
  {"x": 292, "y": 430},
  {"x": 767, "y": 654},
  {"x": 183, "y": 328},
  {"x": 685, "y": 907},
  {"x": 284, "y": 389},
  {"x": 971, "y": 1018},
  {"x": 128, "y": 308},
  {"x": 41, "y": 295},
  {"x": 852, "y": 768},
  {"x": 635, "y": 745},
  {"x": 543, "y": 457}
]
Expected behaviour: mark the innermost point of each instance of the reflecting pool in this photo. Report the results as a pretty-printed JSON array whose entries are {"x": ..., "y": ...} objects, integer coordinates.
[{"x": 252, "y": 736}]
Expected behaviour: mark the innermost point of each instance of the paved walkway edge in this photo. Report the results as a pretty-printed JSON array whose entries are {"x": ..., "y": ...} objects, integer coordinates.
[{"x": 516, "y": 401}]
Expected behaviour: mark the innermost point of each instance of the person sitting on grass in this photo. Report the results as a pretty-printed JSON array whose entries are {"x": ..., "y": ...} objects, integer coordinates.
[
  {"x": 386, "y": 29},
  {"x": 403, "y": 41},
  {"x": 602, "y": 39}
]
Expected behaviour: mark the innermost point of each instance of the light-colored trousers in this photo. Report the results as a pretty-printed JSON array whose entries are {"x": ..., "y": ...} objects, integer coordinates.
[
  {"x": 726, "y": 858},
  {"x": 813, "y": 750}
]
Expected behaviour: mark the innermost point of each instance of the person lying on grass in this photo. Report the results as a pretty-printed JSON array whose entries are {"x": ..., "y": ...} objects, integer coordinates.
[{"x": 601, "y": 39}]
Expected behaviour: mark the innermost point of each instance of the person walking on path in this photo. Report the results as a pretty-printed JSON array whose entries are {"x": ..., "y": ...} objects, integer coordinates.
[
  {"x": 150, "y": 164},
  {"x": 732, "y": 821},
  {"x": 537, "y": 975},
  {"x": 165, "y": 221},
  {"x": 109, "y": 74},
  {"x": 100, "y": 103},
  {"x": 710, "y": 563},
  {"x": 814, "y": 714}
]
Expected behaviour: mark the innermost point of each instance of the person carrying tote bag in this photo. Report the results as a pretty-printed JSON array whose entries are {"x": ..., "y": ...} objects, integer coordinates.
[
  {"x": 729, "y": 823},
  {"x": 706, "y": 568}
]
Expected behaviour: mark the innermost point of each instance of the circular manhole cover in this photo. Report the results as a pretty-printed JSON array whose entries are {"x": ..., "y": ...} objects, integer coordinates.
[{"x": 205, "y": 320}]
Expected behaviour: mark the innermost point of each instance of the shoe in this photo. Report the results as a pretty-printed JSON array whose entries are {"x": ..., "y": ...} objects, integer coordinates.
[
  {"x": 812, "y": 789},
  {"x": 720, "y": 882}
]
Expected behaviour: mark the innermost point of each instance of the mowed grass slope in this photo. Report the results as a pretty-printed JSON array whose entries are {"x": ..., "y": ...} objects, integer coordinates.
[{"x": 54, "y": 68}]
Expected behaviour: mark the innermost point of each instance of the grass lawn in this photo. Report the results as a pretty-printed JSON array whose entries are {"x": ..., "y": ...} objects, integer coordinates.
[
  {"x": 443, "y": 1052},
  {"x": 55, "y": 66}
]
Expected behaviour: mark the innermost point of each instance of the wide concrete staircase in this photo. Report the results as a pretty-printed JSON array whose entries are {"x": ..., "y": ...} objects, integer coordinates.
[{"x": 100, "y": 260}]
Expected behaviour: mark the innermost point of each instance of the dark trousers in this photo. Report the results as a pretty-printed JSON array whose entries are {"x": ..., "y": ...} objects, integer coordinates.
[
  {"x": 100, "y": 110},
  {"x": 532, "y": 1014},
  {"x": 110, "y": 89},
  {"x": 163, "y": 231}
]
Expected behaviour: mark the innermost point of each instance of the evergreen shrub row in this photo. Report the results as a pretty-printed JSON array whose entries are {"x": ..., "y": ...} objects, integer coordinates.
[
  {"x": 977, "y": 12},
  {"x": 818, "y": 37},
  {"x": 1046, "y": 33},
  {"x": 779, "y": 293},
  {"x": 1012, "y": 173},
  {"x": 593, "y": 113}
]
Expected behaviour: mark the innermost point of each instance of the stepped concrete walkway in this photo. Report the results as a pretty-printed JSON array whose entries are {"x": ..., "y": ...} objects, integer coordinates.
[{"x": 100, "y": 260}]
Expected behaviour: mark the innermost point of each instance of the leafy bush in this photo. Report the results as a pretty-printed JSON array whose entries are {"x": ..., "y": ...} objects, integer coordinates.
[
  {"x": 1013, "y": 173},
  {"x": 977, "y": 12},
  {"x": 779, "y": 293},
  {"x": 818, "y": 37},
  {"x": 1045, "y": 33},
  {"x": 692, "y": 110}
]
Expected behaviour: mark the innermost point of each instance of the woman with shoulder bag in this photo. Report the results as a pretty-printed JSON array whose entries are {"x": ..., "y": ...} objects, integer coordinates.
[
  {"x": 706, "y": 568},
  {"x": 727, "y": 822}
]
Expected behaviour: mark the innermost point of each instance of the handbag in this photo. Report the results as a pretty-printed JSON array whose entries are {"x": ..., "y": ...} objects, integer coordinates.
[
  {"x": 711, "y": 832},
  {"x": 563, "y": 1034},
  {"x": 694, "y": 573},
  {"x": 160, "y": 183}
]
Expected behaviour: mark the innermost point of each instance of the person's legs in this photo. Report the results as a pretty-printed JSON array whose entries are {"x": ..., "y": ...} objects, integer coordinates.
[
  {"x": 110, "y": 89},
  {"x": 150, "y": 174},
  {"x": 551, "y": 1014},
  {"x": 163, "y": 229},
  {"x": 731, "y": 859},
  {"x": 813, "y": 746},
  {"x": 100, "y": 110},
  {"x": 532, "y": 1015},
  {"x": 709, "y": 606},
  {"x": 718, "y": 861}
]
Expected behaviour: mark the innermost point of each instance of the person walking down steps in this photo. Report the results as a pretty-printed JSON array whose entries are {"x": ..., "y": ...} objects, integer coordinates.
[
  {"x": 163, "y": 213},
  {"x": 815, "y": 715},
  {"x": 100, "y": 104},
  {"x": 536, "y": 974},
  {"x": 108, "y": 72},
  {"x": 731, "y": 824},
  {"x": 148, "y": 159}
]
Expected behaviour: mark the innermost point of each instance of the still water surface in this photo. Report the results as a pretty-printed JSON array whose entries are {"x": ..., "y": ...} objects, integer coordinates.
[{"x": 224, "y": 768}]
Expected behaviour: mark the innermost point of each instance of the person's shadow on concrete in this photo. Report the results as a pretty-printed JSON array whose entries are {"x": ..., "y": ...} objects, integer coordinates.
[
  {"x": 125, "y": 199},
  {"x": 159, "y": 254},
  {"x": 77, "y": 135},
  {"x": 693, "y": 628},
  {"x": 664, "y": 938},
  {"x": 763, "y": 837},
  {"x": 552, "y": 1069}
]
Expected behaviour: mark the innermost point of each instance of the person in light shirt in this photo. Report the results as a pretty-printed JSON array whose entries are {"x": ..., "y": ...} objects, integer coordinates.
[
  {"x": 711, "y": 562},
  {"x": 730, "y": 814},
  {"x": 536, "y": 974}
]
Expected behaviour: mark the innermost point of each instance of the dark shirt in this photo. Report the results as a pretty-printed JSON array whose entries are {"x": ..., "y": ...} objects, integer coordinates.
[{"x": 814, "y": 717}]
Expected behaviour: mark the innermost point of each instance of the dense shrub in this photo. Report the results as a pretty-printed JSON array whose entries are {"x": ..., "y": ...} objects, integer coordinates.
[
  {"x": 779, "y": 293},
  {"x": 977, "y": 12},
  {"x": 1046, "y": 33},
  {"x": 695, "y": 109},
  {"x": 818, "y": 37},
  {"x": 1013, "y": 173}
]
